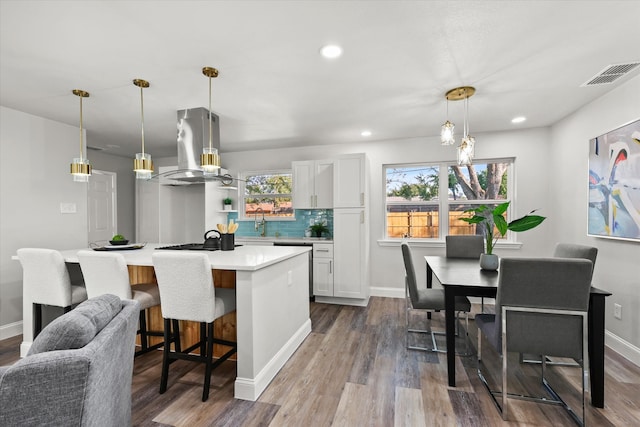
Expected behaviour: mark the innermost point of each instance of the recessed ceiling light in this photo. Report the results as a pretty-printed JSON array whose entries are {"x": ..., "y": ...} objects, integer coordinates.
[
  {"x": 365, "y": 133},
  {"x": 518, "y": 119},
  {"x": 331, "y": 51}
]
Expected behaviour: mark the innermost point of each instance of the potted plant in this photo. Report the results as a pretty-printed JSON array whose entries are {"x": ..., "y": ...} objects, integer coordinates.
[
  {"x": 227, "y": 203},
  {"x": 318, "y": 228},
  {"x": 490, "y": 218}
]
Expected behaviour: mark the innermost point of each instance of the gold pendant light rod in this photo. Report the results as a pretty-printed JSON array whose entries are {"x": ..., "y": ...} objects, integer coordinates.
[
  {"x": 80, "y": 167},
  {"x": 141, "y": 84},
  {"x": 210, "y": 159},
  {"x": 82, "y": 94},
  {"x": 142, "y": 164}
]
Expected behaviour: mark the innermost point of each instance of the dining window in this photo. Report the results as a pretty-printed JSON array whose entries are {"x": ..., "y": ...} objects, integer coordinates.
[{"x": 415, "y": 208}]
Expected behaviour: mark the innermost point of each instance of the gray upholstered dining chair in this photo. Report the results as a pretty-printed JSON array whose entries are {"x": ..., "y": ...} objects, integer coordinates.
[
  {"x": 464, "y": 246},
  {"x": 469, "y": 246},
  {"x": 46, "y": 281},
  {"x": 565, "y": 250},
  {"x": 107, "y": 273},
  {"x": 571, "y": 250},
  {"x": 541, "y": 308},
  {"x": 187, "y": 293},
  {"x": 427, "y": 299}
]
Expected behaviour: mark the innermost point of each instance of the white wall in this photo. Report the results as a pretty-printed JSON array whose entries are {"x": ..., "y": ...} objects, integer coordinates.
[
  {"x": 617, "y": 269},
  {"x": 387, "y": 271},
  {"x": 35, "y": 154}
]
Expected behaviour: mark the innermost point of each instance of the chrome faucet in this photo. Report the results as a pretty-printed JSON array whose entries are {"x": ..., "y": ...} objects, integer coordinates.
[{"x": 257, "y": 224}]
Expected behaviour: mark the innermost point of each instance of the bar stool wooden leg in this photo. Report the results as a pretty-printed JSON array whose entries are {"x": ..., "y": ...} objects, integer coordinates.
[
  {"x": 144, "y": 339},
  {"x": 177, "y": 346},
  {"x": 209, "y": 362},
  {"x": 37, "y": 319},
  {"x": 168, "y": 336}
]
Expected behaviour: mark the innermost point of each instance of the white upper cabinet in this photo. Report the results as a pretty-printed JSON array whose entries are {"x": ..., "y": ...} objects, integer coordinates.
[
  {"x": 313, "y": 184},
  {"x": 349, "y": 181}
]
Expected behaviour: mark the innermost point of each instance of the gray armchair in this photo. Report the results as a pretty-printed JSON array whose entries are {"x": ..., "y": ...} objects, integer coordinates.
[
  {"x": 541, "y": 308},
  {"x": 427, "y": 299},
  {"x": 78, "y": 370}
]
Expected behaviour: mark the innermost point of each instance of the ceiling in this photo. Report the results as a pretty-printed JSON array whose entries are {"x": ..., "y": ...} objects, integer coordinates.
[{"x": 525, "y": 58}]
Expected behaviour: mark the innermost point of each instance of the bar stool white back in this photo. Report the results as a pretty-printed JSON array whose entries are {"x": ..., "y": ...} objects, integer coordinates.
[
  {"x": 107, "y": 273},
  {"x": 46, "y": 282},
  {"x": 187, "y": 293}
]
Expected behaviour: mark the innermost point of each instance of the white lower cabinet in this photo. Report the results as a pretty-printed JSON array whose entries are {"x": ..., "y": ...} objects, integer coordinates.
[{"x": 323, "y": 269}]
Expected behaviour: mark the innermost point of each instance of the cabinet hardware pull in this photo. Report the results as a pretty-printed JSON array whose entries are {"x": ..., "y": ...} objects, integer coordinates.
[
  {"x": 322, "y": 250},
  {"x": 330, "y": 267},
  {"x": 361, "y": 199},
  {"x": 315, "y": 203}
]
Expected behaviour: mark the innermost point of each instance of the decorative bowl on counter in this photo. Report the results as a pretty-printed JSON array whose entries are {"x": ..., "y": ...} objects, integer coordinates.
[{"x": 118, "y": 242}]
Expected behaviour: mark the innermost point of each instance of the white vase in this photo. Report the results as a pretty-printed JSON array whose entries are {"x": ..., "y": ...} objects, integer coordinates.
[
  {"x": 227, "y": 207},
  {"x": 489, "y": 262}
]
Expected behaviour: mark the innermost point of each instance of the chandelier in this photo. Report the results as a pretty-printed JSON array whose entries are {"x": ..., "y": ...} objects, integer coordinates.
[{"x": 466, "y": 147}]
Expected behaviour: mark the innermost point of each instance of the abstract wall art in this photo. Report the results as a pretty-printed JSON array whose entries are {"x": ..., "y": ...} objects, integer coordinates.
[{"x": 614, "y": 184}]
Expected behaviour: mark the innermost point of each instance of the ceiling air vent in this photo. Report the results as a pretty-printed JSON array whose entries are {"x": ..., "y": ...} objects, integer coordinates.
[{"x": 610, "y": 74}]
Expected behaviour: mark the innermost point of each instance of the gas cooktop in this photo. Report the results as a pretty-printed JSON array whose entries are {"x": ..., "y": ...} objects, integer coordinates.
[{"x": 191, "y": 247}]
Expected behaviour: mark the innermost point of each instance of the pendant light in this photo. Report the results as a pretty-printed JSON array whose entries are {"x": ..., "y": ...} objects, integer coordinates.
[
  {"x": 446, "y": 132},
  {"x": 80, "y": 167},
  {"x": 142, "y": 164},
  {"x": 210, "y": 160},
  {"x": 466, "y": 147}
]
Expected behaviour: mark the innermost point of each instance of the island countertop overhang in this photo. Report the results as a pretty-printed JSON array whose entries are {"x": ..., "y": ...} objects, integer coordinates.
[{"x": 243, "y": 258}]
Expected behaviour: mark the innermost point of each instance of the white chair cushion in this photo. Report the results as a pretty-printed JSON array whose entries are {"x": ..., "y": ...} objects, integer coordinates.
[
  {"x": 186, "y": 288},
  {"x": 46, "y": 278},
  {"x": 147, "y": 294}
]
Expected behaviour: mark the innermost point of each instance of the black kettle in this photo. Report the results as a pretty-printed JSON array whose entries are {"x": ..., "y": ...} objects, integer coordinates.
[{"x": 211, "y": 242}]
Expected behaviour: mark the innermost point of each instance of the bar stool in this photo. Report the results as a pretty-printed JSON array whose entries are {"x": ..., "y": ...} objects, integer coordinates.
[
  {"x": 46, "y": 282},
  {"x": 187, "y": 293},
  {"x": 107, "y": 273}
]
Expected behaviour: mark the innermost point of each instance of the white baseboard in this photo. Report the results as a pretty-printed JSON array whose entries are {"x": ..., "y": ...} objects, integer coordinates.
[
  {"x": 252, "y": 388},
  {"x": 343, "y": 301},
  {"x": 387, "y": 292},
  {"x": 622, "y": 347},
  {"x": 10, "y": 330}
]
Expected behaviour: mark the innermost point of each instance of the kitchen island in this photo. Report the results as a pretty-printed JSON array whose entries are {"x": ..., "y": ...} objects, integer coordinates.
[{"x": 272, "y": 305}]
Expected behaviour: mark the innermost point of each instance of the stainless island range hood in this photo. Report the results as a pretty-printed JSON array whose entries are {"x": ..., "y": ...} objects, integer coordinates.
[{"x": 193, "y": 129}]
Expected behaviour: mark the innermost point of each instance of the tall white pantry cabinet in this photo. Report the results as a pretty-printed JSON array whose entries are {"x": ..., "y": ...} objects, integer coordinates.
[{"x": 350, "y": 231}]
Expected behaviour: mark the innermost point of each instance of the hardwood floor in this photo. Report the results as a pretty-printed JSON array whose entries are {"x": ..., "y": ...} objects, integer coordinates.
[{"x": 354, "y": 370}]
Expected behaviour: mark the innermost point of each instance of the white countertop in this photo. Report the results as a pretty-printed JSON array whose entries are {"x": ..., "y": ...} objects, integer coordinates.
[
  {"x": 243, "y": 258},
  {"x": 281, "y": 239}
]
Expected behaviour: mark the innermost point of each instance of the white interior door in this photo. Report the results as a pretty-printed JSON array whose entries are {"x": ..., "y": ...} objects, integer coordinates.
[{"x": 103, "y": 222}]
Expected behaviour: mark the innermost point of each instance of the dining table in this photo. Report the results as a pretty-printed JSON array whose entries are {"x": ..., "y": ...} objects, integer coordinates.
[{"x": 464, "y": 277}]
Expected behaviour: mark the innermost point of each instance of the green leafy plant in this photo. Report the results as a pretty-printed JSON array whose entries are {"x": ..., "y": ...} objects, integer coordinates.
[
  {"x": 227, "y": 201},
  {"x": 489, "y": 218},
  {"x": 318, "y": 228},
  {"x": 118, "y": 237}
]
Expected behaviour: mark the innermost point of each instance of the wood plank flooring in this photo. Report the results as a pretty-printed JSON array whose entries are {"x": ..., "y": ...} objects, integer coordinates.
[{"x": 354, "y": 370}]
